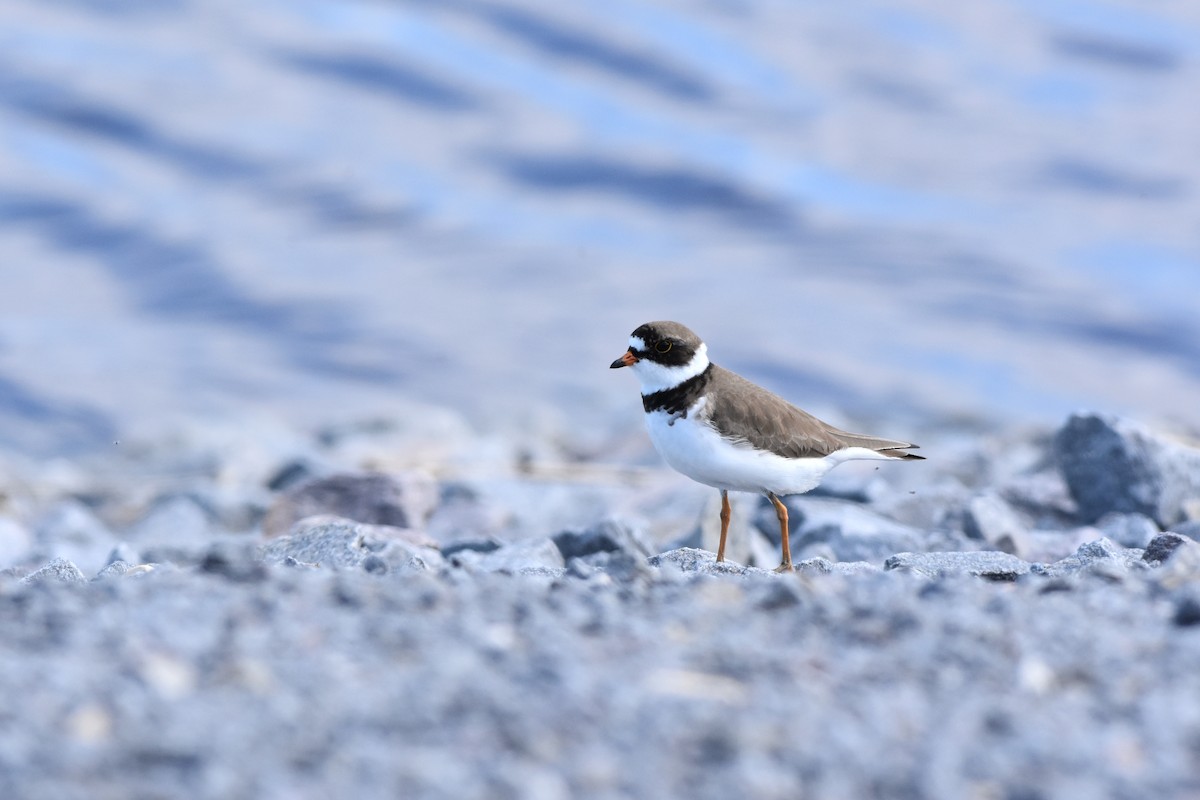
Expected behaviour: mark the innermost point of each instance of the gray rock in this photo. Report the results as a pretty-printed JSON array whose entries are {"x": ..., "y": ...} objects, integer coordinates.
[
  {"x": 606, "y": 536},
  {"x": 1042, "y": 497},
  {"x": 514, "y": 558},
  {"x": 1128, "y": 530},
  {"x": 824, "y": 566},
  {"x": 57, "y": 570},
  {"x": 1113, "y": 464},
  {"x": 988, "y": 564},
  {"x": 113, "y": 569},
  {"x": 702, "y": 562},
  {"x": 70, "y": 530},
  {"x": 621, "y": 565},
  {"x": 1101, "y": 557},
  {"x": 463, "y": 512},
  {"x": 1190, "y": 529},
  {"x": 990, "y": 519},
  {"x": 341, "y": 543},
  {"x": 173, "y": 520},
  {"x": 400, "y": 501}
]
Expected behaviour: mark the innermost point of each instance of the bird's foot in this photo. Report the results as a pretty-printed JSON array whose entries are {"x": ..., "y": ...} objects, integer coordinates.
[{"x": 785, "y": 567}]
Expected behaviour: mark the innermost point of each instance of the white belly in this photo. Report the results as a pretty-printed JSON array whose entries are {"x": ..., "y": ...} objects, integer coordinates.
[{"x": 694, "y": 448}]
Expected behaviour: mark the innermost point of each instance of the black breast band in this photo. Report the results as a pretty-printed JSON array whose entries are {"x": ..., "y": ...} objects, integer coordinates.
[{"x": 678, "y": 399}]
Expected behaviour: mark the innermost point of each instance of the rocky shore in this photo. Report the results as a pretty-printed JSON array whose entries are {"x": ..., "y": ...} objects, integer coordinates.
[{"x": 380, "y": 610}]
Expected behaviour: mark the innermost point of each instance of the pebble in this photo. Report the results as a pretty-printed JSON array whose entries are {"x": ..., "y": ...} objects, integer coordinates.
[{"x": 57, "y": 570}]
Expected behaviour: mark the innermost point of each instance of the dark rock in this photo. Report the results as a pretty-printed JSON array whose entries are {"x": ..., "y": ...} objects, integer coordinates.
[
  {"x": 1163, "y": 546},
  {"x": 988, "y": 564},
  {"x": 607, "y": 536},
  {"x": 477, "y": 545},
  {"x": 1112, "y": 464},
  {"x": 56, "y": 570},
  {"x": 400, "y": 501},
  {"x": 1187, "y": 612}
]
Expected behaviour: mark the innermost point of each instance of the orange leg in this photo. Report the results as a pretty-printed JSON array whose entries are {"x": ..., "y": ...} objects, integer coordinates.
[
  {"x": 781, "y": 513},
  {"x": 724, "y": 524}
]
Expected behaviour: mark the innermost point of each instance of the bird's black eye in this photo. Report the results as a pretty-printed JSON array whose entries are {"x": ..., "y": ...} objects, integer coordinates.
[{"x": 662, "y": 346}]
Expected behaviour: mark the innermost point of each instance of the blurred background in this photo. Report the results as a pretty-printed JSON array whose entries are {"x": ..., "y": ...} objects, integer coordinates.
[{"x": 315, "y": 209}]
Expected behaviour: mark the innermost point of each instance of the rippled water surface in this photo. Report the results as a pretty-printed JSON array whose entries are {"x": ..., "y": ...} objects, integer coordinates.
[{"x": 314, "y": 208}]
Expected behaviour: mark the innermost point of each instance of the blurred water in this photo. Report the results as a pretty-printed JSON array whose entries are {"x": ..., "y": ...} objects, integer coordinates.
[{"x": 314, "y": 208}]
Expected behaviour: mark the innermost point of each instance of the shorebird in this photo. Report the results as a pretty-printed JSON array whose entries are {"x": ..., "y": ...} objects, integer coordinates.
[{"x": 721, "y": 430}]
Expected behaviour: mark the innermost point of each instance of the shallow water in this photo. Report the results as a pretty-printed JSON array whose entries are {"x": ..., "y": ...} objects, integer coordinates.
[{"x": 309, "y": 208}]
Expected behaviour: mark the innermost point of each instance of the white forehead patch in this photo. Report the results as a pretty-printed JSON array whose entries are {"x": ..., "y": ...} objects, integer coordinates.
[{"x": 636, "y": 343}]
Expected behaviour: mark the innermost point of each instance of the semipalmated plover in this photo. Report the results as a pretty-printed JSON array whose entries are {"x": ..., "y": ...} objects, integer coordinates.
[{"x": 721, "y": 430}]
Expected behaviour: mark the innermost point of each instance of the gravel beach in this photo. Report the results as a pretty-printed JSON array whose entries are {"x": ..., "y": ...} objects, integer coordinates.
[{"x": 187, "y": 620}]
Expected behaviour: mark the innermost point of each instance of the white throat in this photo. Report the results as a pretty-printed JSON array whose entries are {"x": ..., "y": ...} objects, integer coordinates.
[{"x": 655, "y": 377}]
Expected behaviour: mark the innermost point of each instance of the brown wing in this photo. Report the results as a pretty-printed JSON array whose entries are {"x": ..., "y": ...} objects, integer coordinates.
[{"x": 743, "y": 412}]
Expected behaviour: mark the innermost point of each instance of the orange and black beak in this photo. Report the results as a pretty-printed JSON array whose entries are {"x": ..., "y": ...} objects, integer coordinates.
[{"x": 627, "y": 360}]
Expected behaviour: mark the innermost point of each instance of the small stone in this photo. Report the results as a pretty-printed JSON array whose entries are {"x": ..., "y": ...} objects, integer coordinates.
[
  {"x": 374, "y": 565},
  {"x": 704, "y": 562},
  {"x": 515, "y": 557},
  {"x": 989, "y": 518},
  {"x": 332, "y": 543},
  {"x": 989, "y": 564},
  {"x": 56, "y": 570},
  {"x": 607, "y": 536},
  {"x": 114, "y": 569},
  {"x": 1163, "y": 546}
]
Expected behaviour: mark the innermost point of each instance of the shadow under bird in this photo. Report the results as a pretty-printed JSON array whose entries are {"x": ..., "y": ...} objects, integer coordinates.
[{"x": 721, "y": 430}]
